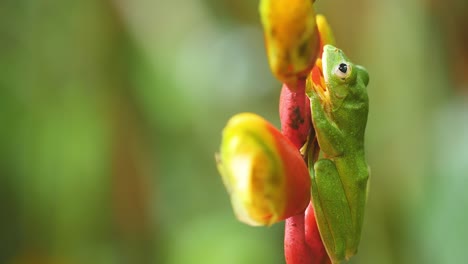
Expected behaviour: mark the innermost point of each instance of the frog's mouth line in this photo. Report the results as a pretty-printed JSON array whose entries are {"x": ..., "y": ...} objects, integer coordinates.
[{"x": 318, "y": 82}]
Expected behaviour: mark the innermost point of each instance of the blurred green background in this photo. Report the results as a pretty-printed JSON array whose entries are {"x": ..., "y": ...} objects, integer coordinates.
[{"x": 111, "y": 112}]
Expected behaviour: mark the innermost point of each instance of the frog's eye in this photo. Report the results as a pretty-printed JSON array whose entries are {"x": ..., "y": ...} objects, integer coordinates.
[{"x": 343, "y": 70}]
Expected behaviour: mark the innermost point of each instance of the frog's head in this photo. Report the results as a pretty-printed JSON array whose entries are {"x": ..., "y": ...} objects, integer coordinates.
[{"x": 336, "y": 78}]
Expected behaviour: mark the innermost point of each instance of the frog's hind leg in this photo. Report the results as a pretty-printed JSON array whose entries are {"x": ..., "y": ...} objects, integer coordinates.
[{"x": 332, "y": 209}]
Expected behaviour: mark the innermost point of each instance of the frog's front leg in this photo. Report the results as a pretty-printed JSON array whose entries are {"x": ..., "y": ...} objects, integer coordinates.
[
  {"x": 332, "y": 209},
  {"x": 329, "y": 136}
]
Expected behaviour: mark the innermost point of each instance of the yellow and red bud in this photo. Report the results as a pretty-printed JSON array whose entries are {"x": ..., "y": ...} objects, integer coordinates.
[
  {"x": 264, "y": 173},
  {"x": 291, "y": 38}
]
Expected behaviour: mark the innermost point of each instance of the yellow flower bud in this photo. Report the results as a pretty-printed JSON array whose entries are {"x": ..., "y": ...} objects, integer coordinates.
[
  {"x": 291, "y": 37},
  {"x": 263, "y": 172}
]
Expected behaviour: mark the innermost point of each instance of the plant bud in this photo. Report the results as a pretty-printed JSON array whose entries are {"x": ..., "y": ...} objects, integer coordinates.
[{"x": 264, "y": 174}]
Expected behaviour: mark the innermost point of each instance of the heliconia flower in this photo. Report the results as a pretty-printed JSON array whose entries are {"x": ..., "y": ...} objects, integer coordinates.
[
  {"x": 291, "y": 38},
  {"x": 264, "y": 173}
]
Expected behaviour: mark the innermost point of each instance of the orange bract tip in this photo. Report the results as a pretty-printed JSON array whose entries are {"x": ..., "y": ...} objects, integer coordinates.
[{"x": 316, "y": 74}]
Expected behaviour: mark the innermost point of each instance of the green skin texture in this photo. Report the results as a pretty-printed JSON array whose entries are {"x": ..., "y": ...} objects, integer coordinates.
[{"x": 340, "y": 175}]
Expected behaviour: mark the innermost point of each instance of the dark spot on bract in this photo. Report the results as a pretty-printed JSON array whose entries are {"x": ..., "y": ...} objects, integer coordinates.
[{"x": 296, "y": 118}]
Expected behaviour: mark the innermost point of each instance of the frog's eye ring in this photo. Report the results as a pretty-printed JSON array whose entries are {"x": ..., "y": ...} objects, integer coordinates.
[{"x": 342, "y": 70}]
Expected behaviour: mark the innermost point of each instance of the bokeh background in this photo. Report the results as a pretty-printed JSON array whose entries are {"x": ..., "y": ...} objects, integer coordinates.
[{"x": 111, "y": 112}]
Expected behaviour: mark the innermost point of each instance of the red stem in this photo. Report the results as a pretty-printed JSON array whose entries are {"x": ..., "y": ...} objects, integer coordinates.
[
  {"x": 294, "y": 111},
  {"x": 302, "y": 242}
]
